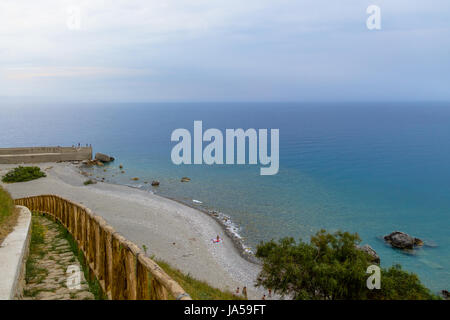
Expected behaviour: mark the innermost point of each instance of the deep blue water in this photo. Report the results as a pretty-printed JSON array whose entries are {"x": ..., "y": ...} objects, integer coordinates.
[{"x": 362, "y": 167}]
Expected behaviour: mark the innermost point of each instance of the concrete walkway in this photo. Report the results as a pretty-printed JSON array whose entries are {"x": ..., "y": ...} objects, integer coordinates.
[{"x": 52, "y": 267}]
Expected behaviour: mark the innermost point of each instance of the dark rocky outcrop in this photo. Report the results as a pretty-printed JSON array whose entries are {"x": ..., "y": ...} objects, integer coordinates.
[
  {"x": 375, "y": 258},
  {"x": 103, "y": 157},
  {"x": 155, "y": 183},
  {"x": 402, "y": 240}
]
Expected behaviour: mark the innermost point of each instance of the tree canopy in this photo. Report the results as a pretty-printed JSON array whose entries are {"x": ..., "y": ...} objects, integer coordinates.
[{"x": 330, "y": 267}]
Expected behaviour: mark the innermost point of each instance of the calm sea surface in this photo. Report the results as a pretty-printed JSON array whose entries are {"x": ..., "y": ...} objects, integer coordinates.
[{"x": 361, "y": 167}]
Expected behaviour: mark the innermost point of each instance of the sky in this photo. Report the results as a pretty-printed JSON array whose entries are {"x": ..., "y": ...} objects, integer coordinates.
[{"x": 217, "y": 50}]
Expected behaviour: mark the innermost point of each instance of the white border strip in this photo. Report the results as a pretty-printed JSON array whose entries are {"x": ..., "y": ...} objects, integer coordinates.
[{"x": 13, "y": 254}]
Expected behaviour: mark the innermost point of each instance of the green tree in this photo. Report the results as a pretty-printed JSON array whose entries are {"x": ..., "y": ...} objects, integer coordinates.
[
  {"x": 398, "y": 284},
  {"x": 330, "y": 267}
]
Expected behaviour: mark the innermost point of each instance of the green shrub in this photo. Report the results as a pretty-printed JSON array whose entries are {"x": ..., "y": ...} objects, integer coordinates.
[
  {"x": 88, "y": 182},
  {"x": 330, "y": 267},
  {"x": 21, "y": 174}
]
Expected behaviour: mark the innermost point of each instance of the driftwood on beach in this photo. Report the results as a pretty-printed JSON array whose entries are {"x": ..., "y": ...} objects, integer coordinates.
[{"x": 122, "y": 269}]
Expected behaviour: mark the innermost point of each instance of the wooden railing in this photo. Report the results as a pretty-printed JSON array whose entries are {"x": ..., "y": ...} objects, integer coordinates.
[{"x": 122, "y": 269}]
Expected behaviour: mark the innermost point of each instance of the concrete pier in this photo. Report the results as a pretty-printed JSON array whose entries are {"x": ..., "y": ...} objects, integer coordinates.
[{"x": 44, "y": 154}]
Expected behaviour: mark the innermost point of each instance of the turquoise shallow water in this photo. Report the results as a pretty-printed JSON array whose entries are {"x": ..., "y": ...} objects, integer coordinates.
[{"x": 361, "y": 167}]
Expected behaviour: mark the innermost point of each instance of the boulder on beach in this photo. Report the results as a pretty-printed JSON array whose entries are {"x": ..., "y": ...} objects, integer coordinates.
[
  {"x": 94, "y": 162},
  {"x": 103, "y": 157},
  {"x": 88, "y": 163},
  {"x": 402, "y": 240},
  {"x": 155, "y": 183},
  {"x": 185, "y": 179},
  {"x": 372, "y": 253}
]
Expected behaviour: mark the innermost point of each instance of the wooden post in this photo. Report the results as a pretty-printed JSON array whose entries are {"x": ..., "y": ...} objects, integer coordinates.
[
  {"x": 108, "y": 260},
  {"x": 130, "y": 266},
  {"x": 98, "y": 250},
  {"x": 143, "y": 292},
  {"x": 119, "y": 283}
]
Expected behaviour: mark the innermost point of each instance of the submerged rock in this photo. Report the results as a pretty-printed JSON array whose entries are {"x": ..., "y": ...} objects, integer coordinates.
[
  {"x": 402, "y": 240},
  {"x": 155, "y": 183},
  {"x": 135, "y": 179},
  {"x": 372, "y": 253},
  {"x": 185, "y": 179},
  {"x": 94, "y": 162},
  {"x": 103, "y": 157}
]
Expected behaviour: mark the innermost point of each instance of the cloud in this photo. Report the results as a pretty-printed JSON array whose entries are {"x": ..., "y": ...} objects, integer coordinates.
[
  {"x": 26, "y": 73},
  {"x": 217, "y": 49}
]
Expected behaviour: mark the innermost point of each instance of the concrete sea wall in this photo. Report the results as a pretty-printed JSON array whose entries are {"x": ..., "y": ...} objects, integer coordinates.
[{"x": 44, "y": 154}]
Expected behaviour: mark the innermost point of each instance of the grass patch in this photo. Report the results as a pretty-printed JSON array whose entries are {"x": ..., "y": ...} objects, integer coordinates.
[
  {"x": 6, "y": 204},
  {"x": 8, "y": 214},
  {"x": 198, "y": 290},
  {"x": 36, "y": 252},
  {"x": 22, "y": 174}
]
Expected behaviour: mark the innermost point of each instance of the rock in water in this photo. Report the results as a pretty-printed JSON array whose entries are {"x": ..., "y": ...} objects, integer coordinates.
[
  {"x": 103, "y": 157},
  {"x": 155, "y": 183},
  {"x": 372, "y": 253},
  {"x": 402, "y": 240},
  {"x": 185, "y": 179}
]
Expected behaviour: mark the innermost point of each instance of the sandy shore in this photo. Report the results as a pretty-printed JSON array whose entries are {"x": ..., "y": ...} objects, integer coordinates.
[{"x": 172, "y": 231}]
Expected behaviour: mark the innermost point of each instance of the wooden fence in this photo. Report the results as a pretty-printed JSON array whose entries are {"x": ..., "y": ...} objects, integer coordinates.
[{"x": 122, "y": 269}]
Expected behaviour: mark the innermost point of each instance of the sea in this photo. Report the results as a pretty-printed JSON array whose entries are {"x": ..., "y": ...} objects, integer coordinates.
[{"x": 363, "y": 167}]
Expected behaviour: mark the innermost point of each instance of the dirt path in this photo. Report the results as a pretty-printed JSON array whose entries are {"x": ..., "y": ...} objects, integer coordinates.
[{"x": 52, "y": 266}]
